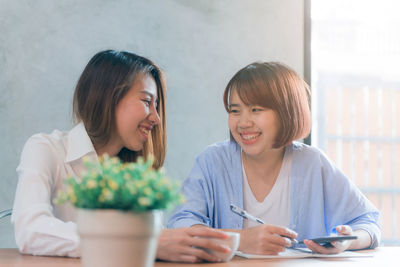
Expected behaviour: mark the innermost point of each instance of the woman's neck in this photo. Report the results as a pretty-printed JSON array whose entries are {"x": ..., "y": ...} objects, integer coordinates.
[
  {"x": 268, "y": 163},
  {"x": 111, "y": 148}
]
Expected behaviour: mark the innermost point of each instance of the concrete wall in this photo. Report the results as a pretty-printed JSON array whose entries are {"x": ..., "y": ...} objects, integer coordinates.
[{"x": 45, "y": 44}]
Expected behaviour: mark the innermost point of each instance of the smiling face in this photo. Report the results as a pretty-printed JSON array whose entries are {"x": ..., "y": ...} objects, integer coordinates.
[
  {"x": 277, "y": 89},
  {"x": 253, "y": 127},
  {"x": 136, "y": 115}
]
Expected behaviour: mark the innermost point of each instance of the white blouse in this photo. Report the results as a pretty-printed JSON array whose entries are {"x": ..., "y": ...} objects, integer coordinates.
[{"x": 42, "y": 227}]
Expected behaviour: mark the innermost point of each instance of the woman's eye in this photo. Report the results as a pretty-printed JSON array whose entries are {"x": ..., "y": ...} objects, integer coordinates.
[
  {"x": 147, "y": 102},
  {"x": 234, "y": 111},
  {"x": 256, "y": 109}
]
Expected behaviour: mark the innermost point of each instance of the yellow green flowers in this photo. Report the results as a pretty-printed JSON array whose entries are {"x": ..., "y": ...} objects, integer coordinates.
[{"x": 124, "y": 186}]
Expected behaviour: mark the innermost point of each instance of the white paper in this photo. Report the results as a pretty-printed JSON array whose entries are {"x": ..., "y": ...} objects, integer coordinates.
[{"x": 303, "y": 253}]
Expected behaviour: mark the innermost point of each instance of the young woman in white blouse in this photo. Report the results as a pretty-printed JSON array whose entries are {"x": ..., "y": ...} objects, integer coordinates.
[{"x": 119, "y": 107}]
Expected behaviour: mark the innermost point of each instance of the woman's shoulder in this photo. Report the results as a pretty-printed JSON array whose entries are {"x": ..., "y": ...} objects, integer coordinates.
[
  {"x": 307, "y": 153},
  {"x": 306, "y": 157},
  {"x": 221, "y": 153},
  {"x": 46, "y": 144},
  {"x": 223, "y": 149},
  {"x": 55, "y": 138}
]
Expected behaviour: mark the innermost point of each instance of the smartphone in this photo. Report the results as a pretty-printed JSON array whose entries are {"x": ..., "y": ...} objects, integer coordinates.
[{"x": 326, "y": 240}]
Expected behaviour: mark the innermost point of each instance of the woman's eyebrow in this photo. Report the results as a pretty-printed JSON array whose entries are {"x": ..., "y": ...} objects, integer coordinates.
[
  {"x": 148, "y": 93},
  {"x": 234, "y": 105}
]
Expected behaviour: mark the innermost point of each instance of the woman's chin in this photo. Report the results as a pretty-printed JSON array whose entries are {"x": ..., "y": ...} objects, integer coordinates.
[{"x": 134, "y": 147}]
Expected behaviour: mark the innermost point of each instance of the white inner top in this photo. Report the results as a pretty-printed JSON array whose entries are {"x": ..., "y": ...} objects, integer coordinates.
[{"x": 275, "y": 208}]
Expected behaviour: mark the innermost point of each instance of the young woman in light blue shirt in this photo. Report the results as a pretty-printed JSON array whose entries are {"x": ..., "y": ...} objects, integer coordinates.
[{"x": 293, "y": 187}]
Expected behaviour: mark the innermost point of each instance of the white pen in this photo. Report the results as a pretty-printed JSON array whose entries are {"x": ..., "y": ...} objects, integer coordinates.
[{"x": 246, "y": 215}]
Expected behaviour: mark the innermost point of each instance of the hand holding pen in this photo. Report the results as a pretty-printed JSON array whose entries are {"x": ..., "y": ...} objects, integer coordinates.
[{"x": 264, "y": 239}]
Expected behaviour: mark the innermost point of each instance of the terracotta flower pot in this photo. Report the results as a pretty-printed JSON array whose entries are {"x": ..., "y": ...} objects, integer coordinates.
[{"x": 117, "y": 238}]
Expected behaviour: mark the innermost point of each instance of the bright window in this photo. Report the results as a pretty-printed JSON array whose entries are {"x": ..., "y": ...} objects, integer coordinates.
[{"x": 355, "y": 79}]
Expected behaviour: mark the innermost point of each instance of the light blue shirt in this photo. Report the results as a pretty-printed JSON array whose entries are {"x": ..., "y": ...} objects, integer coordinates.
[{"x": 321, "y": 196}]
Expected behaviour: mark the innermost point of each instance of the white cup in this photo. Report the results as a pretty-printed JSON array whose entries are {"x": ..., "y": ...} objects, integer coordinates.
[{"x": 232, "y": 242}]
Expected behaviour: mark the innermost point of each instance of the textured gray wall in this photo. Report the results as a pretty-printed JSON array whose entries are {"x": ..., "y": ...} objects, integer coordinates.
[{"x": 45, "y": 44}]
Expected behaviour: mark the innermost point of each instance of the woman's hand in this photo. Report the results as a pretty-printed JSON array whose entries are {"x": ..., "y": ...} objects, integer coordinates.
[
  {"x": 337, "y": 246},
  {"x": 265, "y": 239},
  {"x": 184, "y": 244}
]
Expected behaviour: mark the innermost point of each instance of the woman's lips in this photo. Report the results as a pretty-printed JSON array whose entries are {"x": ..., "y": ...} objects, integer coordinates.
[
  {"x": 145, "y": 130},
  {"x": 249, "y": 138}
]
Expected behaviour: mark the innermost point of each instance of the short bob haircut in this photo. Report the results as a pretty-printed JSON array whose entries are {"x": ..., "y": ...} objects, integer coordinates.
[
  {"x": 104, "y": 82},
  {"x": 275, "y": 86}
]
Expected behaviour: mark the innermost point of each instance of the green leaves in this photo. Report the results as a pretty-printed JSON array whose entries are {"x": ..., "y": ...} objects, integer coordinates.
[{"x": 125, "y": 186}]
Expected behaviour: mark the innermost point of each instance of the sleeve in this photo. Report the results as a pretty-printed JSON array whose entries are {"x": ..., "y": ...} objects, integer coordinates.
[
  {"x": 37, "y": 230},
  {"x": 346, "y": 204},
  {"x": 198, "y": 199}
]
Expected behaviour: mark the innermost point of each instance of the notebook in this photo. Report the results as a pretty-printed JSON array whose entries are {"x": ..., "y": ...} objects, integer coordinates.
[{"x": 291, "y": 253}]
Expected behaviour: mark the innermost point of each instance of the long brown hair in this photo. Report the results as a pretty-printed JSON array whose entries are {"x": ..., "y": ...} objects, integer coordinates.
[
  {"x": 103, "y": 83},
  {"x": 275, "y": 86}
]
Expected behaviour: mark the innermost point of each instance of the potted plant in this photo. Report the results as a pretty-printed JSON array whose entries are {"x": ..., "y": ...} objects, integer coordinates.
[{"x": 119, "y": 213}]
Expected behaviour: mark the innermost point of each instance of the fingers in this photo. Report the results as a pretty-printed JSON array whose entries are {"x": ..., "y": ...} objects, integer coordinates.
[
  {"x": 283, "y": 231},
  {"x": 188, "y": 258},
  {"x": 271, "y": 249},
  {"x": 336, "y": 247},
  {"x": 266, "y": 239},
  {"x": 341, "y": 246},
  {"x": 180, "y": 246},
  {"x": 280, "y": 235},
  {"x": 280, "y": 240},
  {"x": 185, "y": 253},
  {"x": 344, "y": 230},
  {"x": 200, "y": 254},
  {"x": 321, "y": 249},
  {"x": 272, "y": 243},
  {"x": 202, "y": 238},
  {"x": 190, "y": 254},
  {"x": 205, "y": 231},
  {"x": 209, "y": 244}
]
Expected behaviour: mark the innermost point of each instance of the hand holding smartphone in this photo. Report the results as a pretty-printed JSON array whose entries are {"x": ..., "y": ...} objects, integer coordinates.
[{"x": 326, "y": 240}]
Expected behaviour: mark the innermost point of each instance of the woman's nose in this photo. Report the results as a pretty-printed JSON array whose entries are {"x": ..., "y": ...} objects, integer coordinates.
[
  {"x": 245, "y": 120},
  {"x": 153, "y": 116}
]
